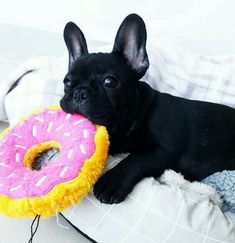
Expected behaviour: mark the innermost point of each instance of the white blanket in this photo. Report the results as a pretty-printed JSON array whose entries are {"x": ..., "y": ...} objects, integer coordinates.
[{"x": 172, "y": 70}]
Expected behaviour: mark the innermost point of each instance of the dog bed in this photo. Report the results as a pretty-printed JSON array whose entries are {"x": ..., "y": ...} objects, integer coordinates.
[{"x": 156, "y": 211}]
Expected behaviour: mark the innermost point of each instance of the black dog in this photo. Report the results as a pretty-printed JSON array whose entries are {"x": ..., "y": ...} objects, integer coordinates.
[{"x": 159, "y": 130}]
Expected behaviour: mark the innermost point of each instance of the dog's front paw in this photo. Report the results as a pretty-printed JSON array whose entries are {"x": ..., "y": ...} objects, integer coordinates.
[{"x": 112, "y": 188}]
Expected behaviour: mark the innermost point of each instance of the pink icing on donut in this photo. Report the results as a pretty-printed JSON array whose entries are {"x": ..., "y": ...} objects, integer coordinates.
[{"x": 74, "y": 132}]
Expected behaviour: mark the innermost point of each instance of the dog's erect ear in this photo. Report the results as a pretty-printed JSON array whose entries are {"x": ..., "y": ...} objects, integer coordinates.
[
  {"x": 130, "y": 43},
  {"x": 75, "y": 42}
]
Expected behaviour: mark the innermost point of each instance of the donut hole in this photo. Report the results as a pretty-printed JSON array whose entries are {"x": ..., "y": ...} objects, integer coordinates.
[
  {"x": 44, "y": 157},
  {"x": 38, "y": 155}
]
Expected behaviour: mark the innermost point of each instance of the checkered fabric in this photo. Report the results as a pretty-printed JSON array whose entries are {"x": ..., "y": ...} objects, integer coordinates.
[
  {"x": 154, "y": 212},
  {"x": 180, "y": 73}
]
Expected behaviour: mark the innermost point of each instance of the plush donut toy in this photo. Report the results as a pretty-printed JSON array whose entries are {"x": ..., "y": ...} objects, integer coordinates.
[{"x": 75, "y": 150}]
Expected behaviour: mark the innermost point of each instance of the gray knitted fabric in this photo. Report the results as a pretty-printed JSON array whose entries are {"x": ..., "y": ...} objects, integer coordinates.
[{"x": 224, "y": 184}]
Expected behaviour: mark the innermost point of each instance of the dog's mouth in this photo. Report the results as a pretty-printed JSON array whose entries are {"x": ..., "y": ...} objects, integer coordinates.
[{"x": 103, "y": 117}]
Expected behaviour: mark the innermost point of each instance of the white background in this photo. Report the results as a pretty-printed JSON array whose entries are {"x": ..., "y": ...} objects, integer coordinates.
[
  {"x": 177, "y": 18},
  {"x": 201, "y": 26},
  {"x": 208, "y": 21}
]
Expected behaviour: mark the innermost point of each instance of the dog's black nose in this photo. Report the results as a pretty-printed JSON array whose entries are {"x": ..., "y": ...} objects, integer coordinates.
[{"x": 79, "y": 95}]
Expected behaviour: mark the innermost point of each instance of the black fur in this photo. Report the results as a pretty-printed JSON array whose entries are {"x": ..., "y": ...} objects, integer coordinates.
[{"x": 159, "y": 130}]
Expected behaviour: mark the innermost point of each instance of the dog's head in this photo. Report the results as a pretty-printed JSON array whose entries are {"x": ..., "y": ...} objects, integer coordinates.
[{"x": 104, "y": 86}]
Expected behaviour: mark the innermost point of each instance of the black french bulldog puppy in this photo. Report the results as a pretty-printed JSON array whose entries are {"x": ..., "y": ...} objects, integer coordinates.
[{"x": 159, "y": 130}]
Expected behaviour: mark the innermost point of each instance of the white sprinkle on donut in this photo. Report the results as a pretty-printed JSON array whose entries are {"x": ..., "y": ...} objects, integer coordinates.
[
  {"x": 82, "y": 148},
  {"x": 1, "y": 185},
  {"x": 51, "y": 112},
  {"x": 62, "y": 173},
  {"x": 1, "y": 153},
  {"x": 17, "y": 157},
  {"x": 16, "y": 135},
  {"x": 66, "y": 134},
  {"x": 49, "y": 127},
  {"x": 15, "y": 188},
  {"x": 4, "y": 165},
  {"x": 70, "y": 153},
  {"x": 68, "y": 116},
  {"x": 78, "y": 122},
  {"x": 40, "y": 181},
  {"x": 34, "y": 131},
  {"x": 19, "y": 146},
  {"x": 39, "y": 119},
  {"x": 58, "y": 128},
  {"x": 85, "y": 133},
  {"x": 12, "y": 174}
]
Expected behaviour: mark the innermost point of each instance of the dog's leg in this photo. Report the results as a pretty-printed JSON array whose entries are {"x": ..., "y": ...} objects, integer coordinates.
[{"x": 117, "y": 183}]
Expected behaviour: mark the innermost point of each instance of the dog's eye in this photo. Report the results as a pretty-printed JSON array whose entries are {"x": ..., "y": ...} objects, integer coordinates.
[
  {"x": 110, "y": 82},
  {"x": 67, "y": 83}
]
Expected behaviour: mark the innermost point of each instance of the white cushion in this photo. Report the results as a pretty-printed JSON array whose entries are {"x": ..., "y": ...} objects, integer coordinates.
[{"x": 171, "y": 211}]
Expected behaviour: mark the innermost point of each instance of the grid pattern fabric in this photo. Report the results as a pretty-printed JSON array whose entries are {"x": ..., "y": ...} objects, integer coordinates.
[{"x": 153, "y": 213}]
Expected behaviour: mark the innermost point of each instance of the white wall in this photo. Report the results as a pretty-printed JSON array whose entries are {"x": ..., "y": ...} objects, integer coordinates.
[
  {"x": 177, "y": 19},
  {"x": 201, "y": 26}
]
